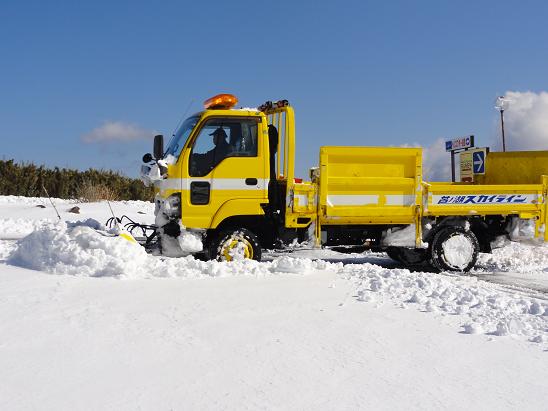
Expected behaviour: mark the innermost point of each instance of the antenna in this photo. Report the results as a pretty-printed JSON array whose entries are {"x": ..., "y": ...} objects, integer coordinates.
[
  {"x": 51, "y": 201},
  {"x": 113, "y": 216},
  {"x": 182, "y": 117}
]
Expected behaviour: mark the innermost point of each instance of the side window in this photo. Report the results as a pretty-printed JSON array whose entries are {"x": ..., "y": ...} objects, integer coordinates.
[
  {"x": 243, "y": 138},
  {"x": 220, "y": 138}
]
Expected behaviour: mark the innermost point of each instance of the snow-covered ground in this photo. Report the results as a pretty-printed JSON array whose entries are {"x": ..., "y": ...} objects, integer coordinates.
[{"x": 89, "y": 321}]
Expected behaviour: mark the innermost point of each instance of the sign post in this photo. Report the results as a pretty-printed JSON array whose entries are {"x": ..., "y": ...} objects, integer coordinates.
[
  {"x": 458, "y": 145},
  {"x": 453, "y": 166}
]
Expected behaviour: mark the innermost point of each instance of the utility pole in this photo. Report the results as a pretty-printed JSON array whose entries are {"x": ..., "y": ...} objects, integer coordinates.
[
  {"x": 501, "y": 104},
  {"x": 502, "y": 127}
]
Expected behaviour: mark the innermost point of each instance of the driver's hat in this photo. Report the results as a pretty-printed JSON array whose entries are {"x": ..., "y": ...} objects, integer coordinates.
[{"x": 219, "y": 132}]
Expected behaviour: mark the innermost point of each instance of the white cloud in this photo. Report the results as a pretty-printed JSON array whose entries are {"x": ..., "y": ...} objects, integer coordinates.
[
  {"x": 437, "y": 162},
  {"x": 525, "y": 126},
  {"x": 525, "y": 121},
  {"x": 116, "y": 131}
]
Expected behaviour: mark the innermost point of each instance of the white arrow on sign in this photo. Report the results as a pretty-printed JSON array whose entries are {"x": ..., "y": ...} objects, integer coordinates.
[{"x": 479, "y": 161}]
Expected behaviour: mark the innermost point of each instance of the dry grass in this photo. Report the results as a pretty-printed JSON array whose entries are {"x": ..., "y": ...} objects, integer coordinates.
[{"x": 89, "y": 192}]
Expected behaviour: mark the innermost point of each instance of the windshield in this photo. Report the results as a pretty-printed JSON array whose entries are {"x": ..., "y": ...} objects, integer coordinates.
[{"x": 179, "y": 138}]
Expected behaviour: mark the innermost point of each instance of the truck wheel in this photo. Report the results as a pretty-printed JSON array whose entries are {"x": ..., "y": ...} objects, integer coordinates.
[
  {"x": 454, "y": 249},
  {"x": 235, "y": 244},
  {"x": 407, "y": 256},
  {"x": 394, "y": 254}
]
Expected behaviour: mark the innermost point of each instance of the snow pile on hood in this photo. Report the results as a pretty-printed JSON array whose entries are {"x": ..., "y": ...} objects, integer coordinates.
[
  {"x": 484, "y": 307},
  {"x": 80, "y": 249},
  {"x": 517, "y": 258}
]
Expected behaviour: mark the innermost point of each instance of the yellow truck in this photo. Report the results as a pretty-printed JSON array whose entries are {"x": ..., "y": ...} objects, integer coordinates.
[{"x": 229, "y": 175}]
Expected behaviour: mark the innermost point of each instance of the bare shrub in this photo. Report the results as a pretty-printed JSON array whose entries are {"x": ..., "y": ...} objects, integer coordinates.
[{"x": 90, "y": 192}]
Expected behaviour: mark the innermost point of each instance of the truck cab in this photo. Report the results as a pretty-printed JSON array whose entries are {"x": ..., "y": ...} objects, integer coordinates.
[{"x": 228, "y": 171}]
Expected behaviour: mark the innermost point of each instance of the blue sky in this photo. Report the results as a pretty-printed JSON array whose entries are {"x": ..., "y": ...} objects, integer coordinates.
[{"x": 357, "y": 72}]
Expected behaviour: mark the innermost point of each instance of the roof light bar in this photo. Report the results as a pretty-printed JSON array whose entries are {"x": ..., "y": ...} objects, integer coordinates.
[{"x": 221, "y": 101}]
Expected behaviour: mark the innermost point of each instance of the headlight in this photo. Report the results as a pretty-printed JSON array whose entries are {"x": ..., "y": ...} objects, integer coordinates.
[{"x": 172, "y": 206}]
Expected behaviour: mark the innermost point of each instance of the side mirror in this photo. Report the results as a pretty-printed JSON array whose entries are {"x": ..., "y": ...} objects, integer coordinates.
[
  {"x": 158, "y": 146},
  {"x": 147, "y": 158}
]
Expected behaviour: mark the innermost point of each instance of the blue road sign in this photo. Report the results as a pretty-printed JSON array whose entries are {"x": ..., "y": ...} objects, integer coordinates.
[
  {"x": 478, "y": 159},
  {"x": 460, "y": 143}
]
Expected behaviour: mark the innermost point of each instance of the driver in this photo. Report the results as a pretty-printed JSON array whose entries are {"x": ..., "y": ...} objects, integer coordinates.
[
  {"x": 207, "y": 161},
  {"x": 221, "y": 145}
]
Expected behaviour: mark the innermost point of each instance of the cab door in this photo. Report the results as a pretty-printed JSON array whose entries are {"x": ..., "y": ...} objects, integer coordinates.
[{"x": 230, "y": 173}]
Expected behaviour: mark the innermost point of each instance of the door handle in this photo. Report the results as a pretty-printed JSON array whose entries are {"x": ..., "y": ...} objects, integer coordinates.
[{"x": 251, "y": 181}]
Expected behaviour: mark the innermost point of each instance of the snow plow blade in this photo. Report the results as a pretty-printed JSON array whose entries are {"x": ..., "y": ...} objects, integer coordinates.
[{"x": 128, "y": 237}]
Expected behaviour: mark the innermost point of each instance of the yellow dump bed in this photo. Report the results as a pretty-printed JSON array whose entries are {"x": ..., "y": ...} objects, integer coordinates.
[
  {"x": 383, "y": 185},
  {"x": 369, "y": 185}
]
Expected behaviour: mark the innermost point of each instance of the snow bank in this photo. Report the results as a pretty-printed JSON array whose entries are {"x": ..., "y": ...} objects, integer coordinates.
[
  {"x": 79, "y": 249},
  {"x": 516, "y": 258},
  {"x": 13, "y": 228},
  {"x": 6, "y": 248},
  {"x": 483, "y": 307},
  {"x": 21, "y": 215},
  {"x": 21, "y": 200}
]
